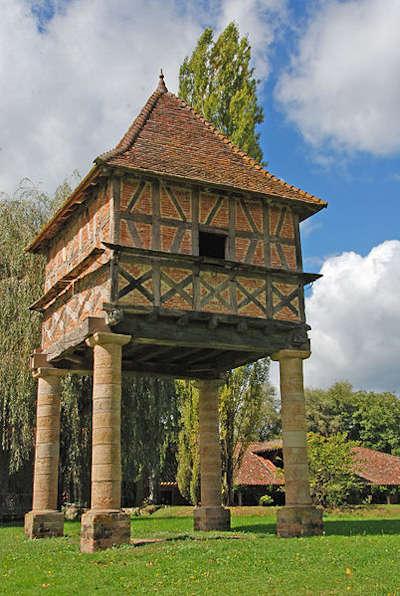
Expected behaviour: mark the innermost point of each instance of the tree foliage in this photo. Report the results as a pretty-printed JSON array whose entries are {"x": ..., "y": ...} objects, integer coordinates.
[
  {"x": 148, "y": 431},
  {"x": 332, "y": 480},
  {"x": 188, "y": 474},
  {"x": 21, "y": 277},
  {"x": 218, "y": 81},
  {"x": 246, "y": 404},
  {"x": 371, "y": 418}
]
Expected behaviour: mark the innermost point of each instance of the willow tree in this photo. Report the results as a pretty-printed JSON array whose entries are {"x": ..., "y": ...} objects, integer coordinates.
[
  {"x": 149, "y": 430},
  {"x": 218, "y": 81},
  {"x": 21, "y": 283},
  {"x": 21, "y": 276}
]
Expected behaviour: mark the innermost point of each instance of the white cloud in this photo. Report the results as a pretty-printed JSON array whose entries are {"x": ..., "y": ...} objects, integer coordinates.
[
  {"x": 343, "y": 87},
  {"x": 70, "y": 92},
  {"x": 354, "y": 312}
]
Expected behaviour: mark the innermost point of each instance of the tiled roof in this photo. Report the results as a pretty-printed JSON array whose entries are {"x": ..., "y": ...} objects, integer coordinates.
[
  {"x": 169, "y": 137},
  {"x": 256, "y": 470},
  {"x": 373, "y": 466},
  {"x": 376, "y": 467}
]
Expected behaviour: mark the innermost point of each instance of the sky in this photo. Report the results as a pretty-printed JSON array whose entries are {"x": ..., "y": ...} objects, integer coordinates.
[{"x": 74, "y": 73}]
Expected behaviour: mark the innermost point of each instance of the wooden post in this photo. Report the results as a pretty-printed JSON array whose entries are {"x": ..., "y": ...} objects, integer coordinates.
[
  {"x": 44, "y": 520},
  {"x": 105, "y": 525},
  {"x": 298, "y": 517},
  {"x": 210, "y": 515}
]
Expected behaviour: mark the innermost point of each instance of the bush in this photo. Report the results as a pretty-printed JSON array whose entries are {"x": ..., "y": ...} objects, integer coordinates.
[{"x": 266, "y": 501}]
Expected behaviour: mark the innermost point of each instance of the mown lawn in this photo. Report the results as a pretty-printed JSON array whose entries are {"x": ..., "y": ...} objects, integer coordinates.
[{"x": 359, "y": 554}]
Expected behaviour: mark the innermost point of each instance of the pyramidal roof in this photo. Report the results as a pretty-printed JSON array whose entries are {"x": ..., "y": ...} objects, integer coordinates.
[{"x": 169, "y": 137}]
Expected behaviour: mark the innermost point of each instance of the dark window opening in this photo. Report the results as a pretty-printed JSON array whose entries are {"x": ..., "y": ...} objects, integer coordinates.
[{"x": 212, "y": 245}]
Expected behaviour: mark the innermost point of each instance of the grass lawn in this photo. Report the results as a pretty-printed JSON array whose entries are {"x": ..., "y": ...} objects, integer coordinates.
[{"x": 359, "y": 554}]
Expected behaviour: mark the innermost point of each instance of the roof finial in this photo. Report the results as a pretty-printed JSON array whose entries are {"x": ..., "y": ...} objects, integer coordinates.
[{"x": 161, "y": 85}]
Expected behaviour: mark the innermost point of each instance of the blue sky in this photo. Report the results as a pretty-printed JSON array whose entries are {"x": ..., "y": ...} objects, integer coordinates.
[{"x": 76, "y": 72}]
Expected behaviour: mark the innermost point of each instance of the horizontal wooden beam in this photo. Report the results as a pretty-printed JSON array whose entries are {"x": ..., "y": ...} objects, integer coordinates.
[
  {"x": 197, "y": 334},
  {"x": 209, "y": 264}
]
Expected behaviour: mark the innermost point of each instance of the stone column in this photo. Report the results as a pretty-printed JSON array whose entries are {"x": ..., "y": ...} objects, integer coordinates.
[
  {"x": 44, "y": 520},
  {"x": 298, "y": 517},
  {"x": 210, "y": 515},
  {"x": 105, "y": 525}
]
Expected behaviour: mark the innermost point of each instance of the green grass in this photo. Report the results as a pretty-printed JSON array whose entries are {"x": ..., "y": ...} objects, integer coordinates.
[{"x": 359, "y": 554}]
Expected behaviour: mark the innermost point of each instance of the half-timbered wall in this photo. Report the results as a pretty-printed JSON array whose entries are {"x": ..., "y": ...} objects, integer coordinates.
[
  {"x": 77, "y": 269},
  {"x": 166, "y": 218},
  {"x": 162, "y": 216},
  {"x": 153, "y": 214},
  {"x": 84, "y": 231},
  {"x": 84, "y": 298}
]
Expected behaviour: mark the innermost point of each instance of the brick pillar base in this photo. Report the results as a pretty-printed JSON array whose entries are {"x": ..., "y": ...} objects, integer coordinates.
[
  {"x": 211, "y": 518},
  {"x": 104, "y": 529},
  {"x": 44, "y": 524},
  {"x": 297, "y": 520}
]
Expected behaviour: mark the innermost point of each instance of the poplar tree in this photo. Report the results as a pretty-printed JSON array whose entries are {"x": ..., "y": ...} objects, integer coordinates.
[{"x": 218, "y": 81}]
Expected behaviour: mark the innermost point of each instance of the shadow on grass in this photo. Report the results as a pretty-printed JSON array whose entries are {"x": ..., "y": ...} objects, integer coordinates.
[
  {"x": 255, "y": 528},
  {"x": 358, "y": 527},
  {"x": 369, "y": 527}
]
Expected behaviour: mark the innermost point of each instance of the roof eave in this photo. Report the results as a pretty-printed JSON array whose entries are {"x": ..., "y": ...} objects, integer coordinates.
[
  {"x": 313, "y": 207},
  {"x": 42, "y": 236}
]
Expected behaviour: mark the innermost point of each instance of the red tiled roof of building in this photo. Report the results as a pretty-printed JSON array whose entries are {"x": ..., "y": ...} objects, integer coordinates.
[
  {"x": 169, "y": 137},
  {"x": 256, "y": 470},
  {"x": 376, "y": 467},
  {"x": 373, "y": 466}
]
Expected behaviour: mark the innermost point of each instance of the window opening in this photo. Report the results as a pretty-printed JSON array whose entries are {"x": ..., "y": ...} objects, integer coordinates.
[{"x": 212, "y": 245}]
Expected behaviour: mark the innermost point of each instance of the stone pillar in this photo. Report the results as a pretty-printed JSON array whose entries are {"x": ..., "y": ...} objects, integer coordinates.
[
  {"x": 298, "y": 517},
  {"x": 44, "y": 520},
  {"x": 105, "y": 525},
  {"x": 210, "y": 515}
]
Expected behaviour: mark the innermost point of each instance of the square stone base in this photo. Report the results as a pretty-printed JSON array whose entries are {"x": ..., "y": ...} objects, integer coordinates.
[
  {"x": 299, "y": 521},
  {"x": 44, "y": 524},
  {"x": 211, "y": 518},
  {"x": 104, "y": 529}
]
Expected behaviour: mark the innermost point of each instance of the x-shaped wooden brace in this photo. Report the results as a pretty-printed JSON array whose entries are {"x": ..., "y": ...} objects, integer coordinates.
[
  {"x": 285, "y": 300},
  {"x": 215, "y": 292},
  {"x": 176, "y": 288},
  {"x": 251, "y": 296},
  {"x": 135, "y": 283}
]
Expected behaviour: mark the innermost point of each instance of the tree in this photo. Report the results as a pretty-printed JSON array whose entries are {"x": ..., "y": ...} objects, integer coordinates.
[
  {"x": 365, "y": 416},
  {"x": 245, "y": 405},
  {"x": 21, "y": 276},
  {"x": 332, "y": 480},
  {"x": 218, "y": 81},
  {"x": 188, "y": 474},
  {"x": 149, "y": 430}
]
